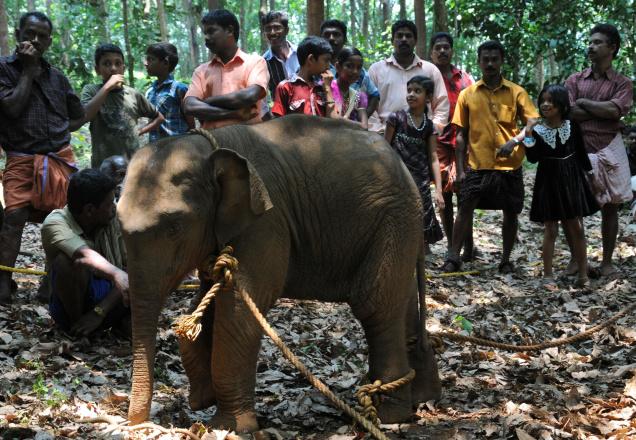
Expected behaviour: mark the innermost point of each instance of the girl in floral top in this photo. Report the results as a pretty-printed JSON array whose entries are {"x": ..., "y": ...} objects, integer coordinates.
[
  {"x": 351, "y": 103},
  {"x": 410, "y": 133}
]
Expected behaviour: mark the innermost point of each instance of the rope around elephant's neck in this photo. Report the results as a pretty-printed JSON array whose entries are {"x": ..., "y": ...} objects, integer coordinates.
[{"x": 206, "y": 134}]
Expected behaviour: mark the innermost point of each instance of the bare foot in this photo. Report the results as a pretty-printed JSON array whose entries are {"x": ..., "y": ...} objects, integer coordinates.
[
  {"x": 572, "y": 268},
  {"x": 549, "y": 283},
  {"x": 582, "y": 282},
  {"x": 608, "y": 270}
]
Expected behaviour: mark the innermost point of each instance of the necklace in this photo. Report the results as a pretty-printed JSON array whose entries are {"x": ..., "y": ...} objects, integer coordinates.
[{"x": 422, "y": 125}]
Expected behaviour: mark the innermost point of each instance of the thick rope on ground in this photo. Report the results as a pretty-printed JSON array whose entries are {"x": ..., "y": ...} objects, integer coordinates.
[{"x": 532, "y": 347}]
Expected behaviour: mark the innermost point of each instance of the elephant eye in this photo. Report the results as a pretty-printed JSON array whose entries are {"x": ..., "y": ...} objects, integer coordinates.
[{"x": 174, "y": 229}]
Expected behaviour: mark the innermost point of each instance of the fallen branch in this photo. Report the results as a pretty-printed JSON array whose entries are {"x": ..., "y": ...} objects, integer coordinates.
[{"x": 148, "y": 425}]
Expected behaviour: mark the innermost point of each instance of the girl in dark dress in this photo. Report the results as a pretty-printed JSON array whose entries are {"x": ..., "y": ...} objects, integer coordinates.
[
  {"x": 410, "y": 133},
  {"x": 561, "y": 192}
]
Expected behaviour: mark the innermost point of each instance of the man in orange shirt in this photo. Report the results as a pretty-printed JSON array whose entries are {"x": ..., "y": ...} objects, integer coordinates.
[
  {"x": 487, "y": 116},
  {"x": 228, "y": 89}
]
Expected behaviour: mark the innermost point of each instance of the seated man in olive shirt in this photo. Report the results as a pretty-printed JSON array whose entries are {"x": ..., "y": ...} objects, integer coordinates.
[{"x": 88, "y": 289}]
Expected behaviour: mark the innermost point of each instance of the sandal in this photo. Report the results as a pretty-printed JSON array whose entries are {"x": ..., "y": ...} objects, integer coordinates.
[
  {"x": 451, "y": 265},
  {"x": 506, "y": 267}
]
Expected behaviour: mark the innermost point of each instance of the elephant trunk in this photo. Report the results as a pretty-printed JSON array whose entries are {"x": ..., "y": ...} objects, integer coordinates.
[{"x": 145, "y": 304}]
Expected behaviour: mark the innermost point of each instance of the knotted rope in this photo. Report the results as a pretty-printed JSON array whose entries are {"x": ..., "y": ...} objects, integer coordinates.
[
  {"x": 369, "y": 395},
  {"x": 189, "y": 327}
]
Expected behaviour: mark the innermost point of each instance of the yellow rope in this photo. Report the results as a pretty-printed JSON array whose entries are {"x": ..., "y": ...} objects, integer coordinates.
[
  {"x": 21, "y": 270},
  {"x": 196, "y": 286}
]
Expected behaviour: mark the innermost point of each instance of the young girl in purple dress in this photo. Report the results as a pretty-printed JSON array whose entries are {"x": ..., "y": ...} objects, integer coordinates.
[
  {"x": 410, "y": 133},
  {"x": 561, "y": 192},
  {"x": 351, "y": 103}
]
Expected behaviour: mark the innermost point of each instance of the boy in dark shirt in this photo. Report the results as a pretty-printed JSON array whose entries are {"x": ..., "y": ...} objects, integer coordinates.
[{"x": 113, "y": 108}]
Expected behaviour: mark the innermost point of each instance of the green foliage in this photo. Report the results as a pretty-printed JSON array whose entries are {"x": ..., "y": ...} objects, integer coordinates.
[
  {"x": 545, "y": 40},
  {"x": 463, "y": 323}
]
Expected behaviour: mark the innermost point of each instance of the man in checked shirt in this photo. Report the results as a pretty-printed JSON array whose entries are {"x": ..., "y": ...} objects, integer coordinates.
[{"x": 38, "y": 110}]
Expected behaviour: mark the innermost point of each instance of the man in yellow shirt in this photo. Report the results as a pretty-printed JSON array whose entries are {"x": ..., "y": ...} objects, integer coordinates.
[{"x": 487, "y": 116}]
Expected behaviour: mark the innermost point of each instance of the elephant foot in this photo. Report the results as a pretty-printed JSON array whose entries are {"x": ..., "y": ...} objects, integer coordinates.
[
  {"x": 426, "y": 385},
  {"x": 396, "y": 407},
  {"x": 240, "y": 423},
  {"x": 201, "y": 396}
]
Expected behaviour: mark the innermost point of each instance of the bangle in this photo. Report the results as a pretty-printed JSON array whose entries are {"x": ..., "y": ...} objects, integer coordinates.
[
  {"x": 529, "y": 141},
  {"x": 330, "y": 102}
]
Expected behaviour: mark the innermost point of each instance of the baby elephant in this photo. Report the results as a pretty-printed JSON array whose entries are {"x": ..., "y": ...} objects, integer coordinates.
[{"x": 314, "y": 209}]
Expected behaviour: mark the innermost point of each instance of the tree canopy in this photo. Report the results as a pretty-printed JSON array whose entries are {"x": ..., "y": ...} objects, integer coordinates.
[{"x": 545, "y": 40}]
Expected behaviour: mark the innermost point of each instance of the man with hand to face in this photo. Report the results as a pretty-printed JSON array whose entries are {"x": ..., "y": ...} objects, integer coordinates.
[
  {"x": 38, "y": 111},
  {"x": 228, "y": 89},
  {"x": 335, "y": 32}
]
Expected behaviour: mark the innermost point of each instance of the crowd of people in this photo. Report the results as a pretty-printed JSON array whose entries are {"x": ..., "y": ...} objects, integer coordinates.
[{"x": 467, "y": 137}]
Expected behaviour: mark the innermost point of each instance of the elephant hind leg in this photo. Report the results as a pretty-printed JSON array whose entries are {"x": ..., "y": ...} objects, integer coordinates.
[
  {"x": 388, "y": 362},
  {"x": 197, "y": 357},
  {"x": 426, "y": 385}
]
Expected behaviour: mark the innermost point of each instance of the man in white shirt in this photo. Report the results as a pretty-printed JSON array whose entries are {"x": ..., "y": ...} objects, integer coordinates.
[{"x": 392, "y": 74}]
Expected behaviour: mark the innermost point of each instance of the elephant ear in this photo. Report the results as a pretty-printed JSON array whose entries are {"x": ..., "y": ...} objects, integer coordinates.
[{"x": 242, "y": 195}]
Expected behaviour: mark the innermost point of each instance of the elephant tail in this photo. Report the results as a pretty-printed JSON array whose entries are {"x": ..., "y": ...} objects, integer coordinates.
[{"x": 421, "y": 288}]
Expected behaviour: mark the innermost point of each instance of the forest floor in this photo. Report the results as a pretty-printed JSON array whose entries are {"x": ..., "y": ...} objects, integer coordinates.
[{"x": 584, "y": 391}]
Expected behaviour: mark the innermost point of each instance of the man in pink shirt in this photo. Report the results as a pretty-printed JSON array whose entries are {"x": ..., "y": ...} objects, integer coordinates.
[
  {"x": 392, "y": 74},
  {"x": 228, "y": 89}
]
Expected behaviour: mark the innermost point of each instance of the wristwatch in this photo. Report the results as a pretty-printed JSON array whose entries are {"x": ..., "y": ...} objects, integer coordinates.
[{"x": 99, "y": 311}]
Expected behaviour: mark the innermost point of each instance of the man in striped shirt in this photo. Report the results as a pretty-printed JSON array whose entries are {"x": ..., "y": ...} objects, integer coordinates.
[{"x": 600, "y": 97}]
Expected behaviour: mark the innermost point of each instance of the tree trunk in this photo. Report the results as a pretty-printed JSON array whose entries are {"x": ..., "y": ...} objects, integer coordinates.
[
  {"x": 315, "y": 16},
  {"x": 47, "y": 6},
  {"x": 352, "y": 20},
  {"x": 402, "y": 9},
  {"x": 365, "y": 25},
  {"x": 131, "y": 60},
  {"x": 147, "y": 7},
  {"x": 539, "y": 75},
  {"x": 440, "y": 16},
  {"x": 262, "y": 11},
  {"x": 214, "y": 4},
  {"x": 4, "y": 30},
  {"x": 161, "y": 16},
  {"x": 102, "y": 20},
  {"x": 241, "y": 19},
  {"x": 31, "y": 5},
  {"x": 386, "y": 12},
  {"x": 272, "y": 5},
  {"x": 192, "y": 34},
  {"x": 420, "y": 22}
]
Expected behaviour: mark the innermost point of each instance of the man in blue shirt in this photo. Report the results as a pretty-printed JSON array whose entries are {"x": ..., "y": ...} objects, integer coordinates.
[
  {"x": 335, "y": 32},
  {"x": 166, "y": 94}
]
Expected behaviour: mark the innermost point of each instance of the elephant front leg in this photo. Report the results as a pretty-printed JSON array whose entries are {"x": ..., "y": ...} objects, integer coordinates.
[
  {"x": 197, "y": 357},
  {"x": 237, "y": 338}
]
